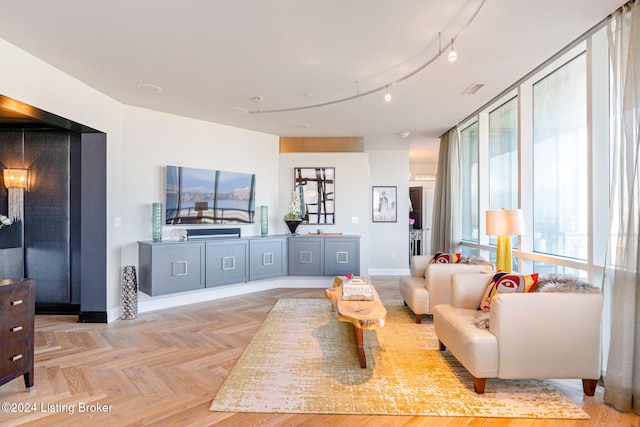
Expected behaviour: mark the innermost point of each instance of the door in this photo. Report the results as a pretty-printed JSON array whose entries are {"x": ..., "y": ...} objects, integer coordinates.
[{"x": 428, "y": 218}]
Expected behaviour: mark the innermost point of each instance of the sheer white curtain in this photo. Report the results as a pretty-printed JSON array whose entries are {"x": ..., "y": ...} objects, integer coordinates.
[
  {"x": 447, "y": 205},
  {"x": 622, "y": 380}
]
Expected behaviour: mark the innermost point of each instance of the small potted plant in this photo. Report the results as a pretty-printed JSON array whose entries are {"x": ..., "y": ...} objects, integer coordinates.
[{"x": 292, "y": 218}]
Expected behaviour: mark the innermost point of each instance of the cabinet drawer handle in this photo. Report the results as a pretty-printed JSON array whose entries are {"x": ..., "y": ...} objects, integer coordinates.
[
  {"x": 306, "y": 257},
  {"x": 16, "y": 329},
  {"x": 17, "y": 302},
  {"x": 16, "y": 357},
  {"x": 344, "y": 259},
  {"x": 182, "y": 271},
  {"x": 268, "y": 258},
  {"x": 226, "y": 265}
]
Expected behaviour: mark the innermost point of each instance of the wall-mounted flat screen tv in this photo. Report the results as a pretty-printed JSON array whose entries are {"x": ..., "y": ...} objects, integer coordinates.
[{"x": 201, "y": 196}]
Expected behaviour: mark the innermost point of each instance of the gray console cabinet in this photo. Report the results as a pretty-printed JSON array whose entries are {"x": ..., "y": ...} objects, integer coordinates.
[
  {"x": 165, "y": 268},
  {"x": 341, "y": 256},
  {"x": 226, "y": 262},
  {"x": 306, "y": 256},
  {"x": 169, "y": 267},
  {"x": 267, "y": 258},
  {"x": 324, "y": 255}
]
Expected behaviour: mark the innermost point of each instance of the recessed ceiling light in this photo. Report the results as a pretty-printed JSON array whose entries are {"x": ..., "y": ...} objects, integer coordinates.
[
  {"x": 149, "y": 88},
  {"x": 238, "y": 110},
  {"x": 303, "y": 126},
  {"x": 405, "y": 133}
]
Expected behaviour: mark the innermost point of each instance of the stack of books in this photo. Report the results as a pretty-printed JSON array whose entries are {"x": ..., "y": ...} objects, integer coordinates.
[{"x": 356, "y": 290}]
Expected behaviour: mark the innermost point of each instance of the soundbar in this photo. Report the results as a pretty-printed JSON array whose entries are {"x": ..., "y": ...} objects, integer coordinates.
[{"x": 212, "y": 233}]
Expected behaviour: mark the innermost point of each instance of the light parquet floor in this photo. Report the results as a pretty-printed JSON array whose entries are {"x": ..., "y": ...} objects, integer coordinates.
[{"x": 164, "y": 368}]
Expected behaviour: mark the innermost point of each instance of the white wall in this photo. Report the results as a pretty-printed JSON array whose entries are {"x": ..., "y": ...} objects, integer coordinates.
[
  {"x": 351, "y": 199},
  {"x": 390, "y": 241},
  {"x": 153, "y": 140}
]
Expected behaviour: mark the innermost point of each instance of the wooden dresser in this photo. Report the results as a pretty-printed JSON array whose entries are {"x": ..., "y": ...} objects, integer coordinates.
[{"x": 17, "y": 307}]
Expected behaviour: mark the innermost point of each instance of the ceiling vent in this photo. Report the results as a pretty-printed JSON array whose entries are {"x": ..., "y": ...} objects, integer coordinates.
[{"x": 473, "y": 89}]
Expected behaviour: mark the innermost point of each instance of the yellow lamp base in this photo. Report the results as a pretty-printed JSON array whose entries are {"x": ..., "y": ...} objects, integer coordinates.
[{"x": 504, "y": 254}]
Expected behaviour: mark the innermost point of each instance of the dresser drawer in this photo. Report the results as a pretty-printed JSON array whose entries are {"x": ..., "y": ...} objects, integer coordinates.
[
  {"x": 17, "y": 304},
  {"x": 16, "y": 356},
  {"x": 14, "y": 301},
  {"x": 15, "y": 328}
]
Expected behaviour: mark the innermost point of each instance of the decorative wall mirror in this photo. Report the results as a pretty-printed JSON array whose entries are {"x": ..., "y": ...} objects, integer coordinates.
[{"x": 317, "y": 194}]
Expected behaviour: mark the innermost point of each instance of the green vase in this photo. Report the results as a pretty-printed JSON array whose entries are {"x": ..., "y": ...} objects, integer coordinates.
[
  {"x": 156, "y": 222},
  {"x": 264, "y": 220}
]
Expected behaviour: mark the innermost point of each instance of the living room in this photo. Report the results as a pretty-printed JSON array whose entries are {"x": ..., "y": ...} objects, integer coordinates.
[{"x": 141, "y": 141}]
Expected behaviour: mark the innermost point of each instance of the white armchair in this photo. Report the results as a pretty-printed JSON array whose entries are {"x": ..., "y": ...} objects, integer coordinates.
[
  {"x": 430, "y": 284},
  {"x": 530, "y": 335}
]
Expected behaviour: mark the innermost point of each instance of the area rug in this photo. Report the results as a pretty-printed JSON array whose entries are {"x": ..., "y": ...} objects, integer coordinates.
[{"x": 303, "y": 360}]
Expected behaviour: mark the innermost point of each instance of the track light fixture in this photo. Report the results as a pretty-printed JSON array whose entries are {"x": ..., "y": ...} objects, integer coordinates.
[
  {"x": 387, "y": 97},
  {"x": 258, "y": 99},
  {"x": 452, "y": 55}
]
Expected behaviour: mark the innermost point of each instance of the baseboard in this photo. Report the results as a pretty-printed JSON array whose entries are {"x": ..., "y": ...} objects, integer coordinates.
[
  {"x": 57, "y": 308},
  {"x": 93, "y": 317}
]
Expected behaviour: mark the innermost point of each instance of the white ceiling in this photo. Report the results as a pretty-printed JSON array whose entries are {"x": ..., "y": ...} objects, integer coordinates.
[{"x": 211, "y": 55}]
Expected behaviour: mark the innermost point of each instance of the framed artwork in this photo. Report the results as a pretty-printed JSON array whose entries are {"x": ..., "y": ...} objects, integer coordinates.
[
  {"x": 385, "y": 207},
  {"x": 317, "y": 194}
]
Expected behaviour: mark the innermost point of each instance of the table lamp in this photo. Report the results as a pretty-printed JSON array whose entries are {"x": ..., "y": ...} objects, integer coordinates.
[{"x": 504, "y": 223}]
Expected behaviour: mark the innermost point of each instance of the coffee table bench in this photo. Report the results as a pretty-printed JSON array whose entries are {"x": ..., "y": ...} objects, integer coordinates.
[{"x": 361, "y": 314}]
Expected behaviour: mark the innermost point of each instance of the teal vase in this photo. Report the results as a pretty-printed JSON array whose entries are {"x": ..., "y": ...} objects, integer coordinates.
[
  {"x": 156, "y": 222},
  {"x": 264, "y": 220}
]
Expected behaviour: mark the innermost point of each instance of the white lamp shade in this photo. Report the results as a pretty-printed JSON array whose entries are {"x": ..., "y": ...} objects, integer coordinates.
[{"x": 505, "y": 222}]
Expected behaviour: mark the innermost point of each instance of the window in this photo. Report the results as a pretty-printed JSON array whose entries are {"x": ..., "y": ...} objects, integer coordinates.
[
  {"x": 560, "y": 162},
  {"x": 545, "y": 267},
  {"x": 503, "y": 156},
  {"x": 503, "y": 159},
  {"x": 547, "y": 152},
  {"x": 469, "y": 182},
  {"x": 543, "y": 146}
]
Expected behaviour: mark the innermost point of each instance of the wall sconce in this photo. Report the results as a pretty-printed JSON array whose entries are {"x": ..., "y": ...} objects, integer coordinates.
[
  {"x": 16, "y": 181},
  {"x": 504, "y": 223}
]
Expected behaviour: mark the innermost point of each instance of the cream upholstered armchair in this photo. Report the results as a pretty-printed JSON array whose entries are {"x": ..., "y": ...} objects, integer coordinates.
[
  {"x": 550, "y": 334},
  {"x": 430, "y": 284}
]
